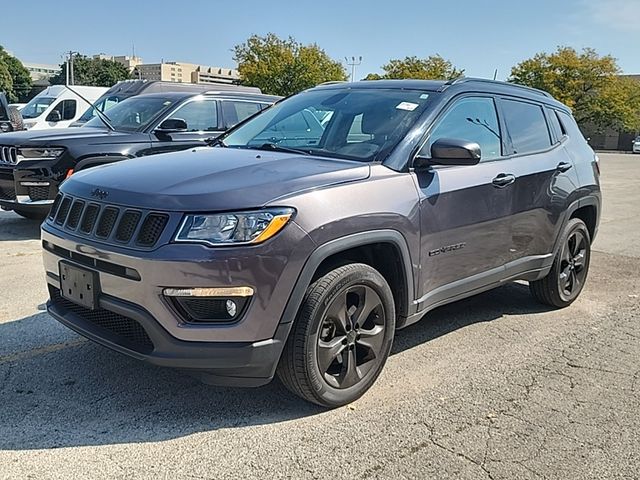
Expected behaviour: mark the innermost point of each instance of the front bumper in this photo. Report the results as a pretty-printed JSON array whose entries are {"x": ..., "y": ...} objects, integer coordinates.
[
  {"x": 242, "y": 353},
  {"x": 26, "y": 190},
  {"x": 136, "y": 333}
]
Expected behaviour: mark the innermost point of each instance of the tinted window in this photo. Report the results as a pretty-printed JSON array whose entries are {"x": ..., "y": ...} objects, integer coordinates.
[
  {"x": 570, "y": 126},
  {"x": 200, "y": 115},
  {"x": 472, "y": 119},
  {"x": 235, "y": 112},
  {"x": 527, "y": 126},
  {"x": 555, "y": 123}
]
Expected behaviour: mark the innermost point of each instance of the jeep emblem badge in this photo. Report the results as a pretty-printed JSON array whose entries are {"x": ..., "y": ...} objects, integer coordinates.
[{"x": 100, "y": 194}]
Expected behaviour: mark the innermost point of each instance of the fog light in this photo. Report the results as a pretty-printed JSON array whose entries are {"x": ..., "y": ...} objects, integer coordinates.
[{"x": 232, "y": 308}]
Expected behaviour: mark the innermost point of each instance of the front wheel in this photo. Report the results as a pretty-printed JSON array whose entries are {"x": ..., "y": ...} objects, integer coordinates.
[
  {"x": 569, "y": 272},
  {"x": 341, "y": 337}
]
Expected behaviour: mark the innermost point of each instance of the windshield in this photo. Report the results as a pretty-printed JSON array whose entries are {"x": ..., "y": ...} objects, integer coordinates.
[
  {"x": 103, "y": 104},
  {"x": 134, "y": 113},
  {"x": 356, "y": 124},
  {"x": 36, "y": 106}
]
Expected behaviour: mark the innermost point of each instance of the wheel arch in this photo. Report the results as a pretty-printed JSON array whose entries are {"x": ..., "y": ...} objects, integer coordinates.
[{"x": 352, "y": 248}]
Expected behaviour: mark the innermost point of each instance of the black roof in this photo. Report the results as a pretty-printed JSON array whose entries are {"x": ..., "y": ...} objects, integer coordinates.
[
  {"x": 177, "y": 96},
  {"x": 463, "y": 84}
]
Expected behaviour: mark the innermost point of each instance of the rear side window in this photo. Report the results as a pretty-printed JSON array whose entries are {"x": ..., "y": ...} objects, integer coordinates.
[
  {"x": 570, "y": 126},
  {"x": 554, "y": 123},
  {"x": 235, "y": 112},
  {"x": 527, "y": 126}
]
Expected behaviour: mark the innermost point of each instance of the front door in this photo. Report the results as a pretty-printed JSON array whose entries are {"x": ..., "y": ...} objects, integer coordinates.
[{"x": 465, "y": 210}]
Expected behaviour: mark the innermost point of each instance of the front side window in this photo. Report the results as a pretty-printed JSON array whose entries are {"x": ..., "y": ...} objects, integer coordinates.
[
  {"x": 362, "y": 124},
  {"x": 36, "y": 107},
  {"x": 527, "y": 126},
  {"x": 473, "y": 119},
  {"x": 66, "y": 109},
  {"x": 135, "y": 113},
  {"x": 200, "y": 115}
]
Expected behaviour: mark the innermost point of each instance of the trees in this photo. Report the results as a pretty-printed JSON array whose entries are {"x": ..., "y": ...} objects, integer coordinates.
[
  {"x": 433, "y": 67},
  {"x": 20, "y": 85},
  {"x": 588, "y": 83},
  {"x": 97, "y": 72},
  {"x": 283, "y": 66}
]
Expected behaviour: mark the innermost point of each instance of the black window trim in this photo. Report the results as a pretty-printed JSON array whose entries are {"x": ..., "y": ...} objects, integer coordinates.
[{"x": 447, "y": 107}]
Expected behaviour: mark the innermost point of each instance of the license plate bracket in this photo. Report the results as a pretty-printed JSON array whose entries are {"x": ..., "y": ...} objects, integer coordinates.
[{"x": 79, "y": 285}]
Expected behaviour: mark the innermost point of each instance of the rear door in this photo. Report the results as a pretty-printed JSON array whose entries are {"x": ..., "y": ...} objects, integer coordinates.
[
  {"x": 203, "y": 122},
  {"x": 465, "y": 210},
  {"x": 544, "y": 179}
]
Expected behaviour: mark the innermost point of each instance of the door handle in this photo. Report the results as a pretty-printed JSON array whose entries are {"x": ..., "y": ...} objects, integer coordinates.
[
  {"x": 563, "y": 167},
  {"x": 503, "y": 179}
]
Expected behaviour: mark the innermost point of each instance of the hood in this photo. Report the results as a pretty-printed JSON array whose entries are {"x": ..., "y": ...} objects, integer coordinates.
[
  {"x": 58, "y": 136},
  {"x": 212, "y": 179}
]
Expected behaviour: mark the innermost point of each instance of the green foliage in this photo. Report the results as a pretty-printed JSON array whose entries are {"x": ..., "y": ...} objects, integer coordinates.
[
  {"x": 588, "y": 83},
  {"x": 433, "y": 67},
  {"x": 96, "y": 72},
  {"x": 20, "y": 84},
  {"x": 283, "y": 66}
]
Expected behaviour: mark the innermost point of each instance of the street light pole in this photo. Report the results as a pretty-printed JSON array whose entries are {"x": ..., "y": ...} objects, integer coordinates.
[{"x": 353, "y": 63}]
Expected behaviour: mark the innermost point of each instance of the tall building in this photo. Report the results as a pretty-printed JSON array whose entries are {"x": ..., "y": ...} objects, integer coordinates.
[
  {"x": 181, "y": 72},
  {"x": 130, "y": 62},
  {"x": 41, "y": 72}
]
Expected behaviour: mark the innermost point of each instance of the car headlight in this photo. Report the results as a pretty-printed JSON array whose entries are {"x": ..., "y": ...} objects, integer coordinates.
[
  {"x": 39, "y": 153},
  {"x": 233, "y": 228}
]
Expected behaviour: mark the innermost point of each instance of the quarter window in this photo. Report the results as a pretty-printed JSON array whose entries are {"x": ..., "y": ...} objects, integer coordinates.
[
  {"x": 527, "y": 126},
  {"x": 473, "y": 119},
  {"x": 200, "y": 115}
]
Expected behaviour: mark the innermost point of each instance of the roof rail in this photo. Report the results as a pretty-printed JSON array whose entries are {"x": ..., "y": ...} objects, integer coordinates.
[
  {"x": 458, "y": 80},
  {"x": 332, "y": 82}
]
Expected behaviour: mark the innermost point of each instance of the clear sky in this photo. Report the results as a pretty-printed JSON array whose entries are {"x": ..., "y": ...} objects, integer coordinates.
[{"x": 478, "y": 36}]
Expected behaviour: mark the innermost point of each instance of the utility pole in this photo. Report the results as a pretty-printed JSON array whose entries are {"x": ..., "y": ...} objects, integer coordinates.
[
  {"x": 69, "y": 67},
  {"x": 353, "y": 63}
]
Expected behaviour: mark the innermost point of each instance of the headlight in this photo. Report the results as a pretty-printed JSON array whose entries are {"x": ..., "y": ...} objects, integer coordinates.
[
  {"x": 234, "y": 228},
  {"x": 39, "y": 153}
]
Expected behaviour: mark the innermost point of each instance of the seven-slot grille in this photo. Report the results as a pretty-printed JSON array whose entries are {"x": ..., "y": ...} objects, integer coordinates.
[
  {"x": 8, "y": 154},
  {"x": 108, "y": 223}
]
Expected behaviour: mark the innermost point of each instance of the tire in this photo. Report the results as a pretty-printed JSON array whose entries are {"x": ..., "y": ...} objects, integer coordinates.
[
  {"x": 333, "y": 319},
  {"x": 570, "y": 268},
  {"x": 31, "y": 215}
]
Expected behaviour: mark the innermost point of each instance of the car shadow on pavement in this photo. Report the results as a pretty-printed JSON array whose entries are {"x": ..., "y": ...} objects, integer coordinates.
[
  {"x": 14, "y": 228},
  {"x": 72, "y": 392}
]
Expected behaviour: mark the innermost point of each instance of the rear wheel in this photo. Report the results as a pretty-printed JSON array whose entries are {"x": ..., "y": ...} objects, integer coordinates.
[
  {"x": 341, "y": 337},
  {"x": 569, "y": 272}
]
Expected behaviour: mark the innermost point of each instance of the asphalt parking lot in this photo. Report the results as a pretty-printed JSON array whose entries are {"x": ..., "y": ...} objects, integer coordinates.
[{"x": 496, "y": 386}]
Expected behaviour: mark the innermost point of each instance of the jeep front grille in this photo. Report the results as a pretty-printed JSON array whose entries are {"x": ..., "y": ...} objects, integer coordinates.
[
  {"x": 8, "y": 154},
  {"x": 108, "y": 223}
]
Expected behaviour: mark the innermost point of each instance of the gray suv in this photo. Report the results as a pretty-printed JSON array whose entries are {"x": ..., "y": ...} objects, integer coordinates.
[{"x": 306, "y": 236}]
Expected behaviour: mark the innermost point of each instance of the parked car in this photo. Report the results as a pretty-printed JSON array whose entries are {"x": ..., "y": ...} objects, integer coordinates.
[
  {"x": 636, "y": 145},
  {"x": 130, "y": 88},
  {"x": 33, "y": 164},
  {"x": 265, "y": 255},
  {"x": 57, "y": 106},
  {"x": 10, "y": 118}
]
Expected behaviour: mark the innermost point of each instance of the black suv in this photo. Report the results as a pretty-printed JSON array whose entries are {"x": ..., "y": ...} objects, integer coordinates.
[
  {"x": 33, "y": 164},
  {"x": 299, "y": 250}
]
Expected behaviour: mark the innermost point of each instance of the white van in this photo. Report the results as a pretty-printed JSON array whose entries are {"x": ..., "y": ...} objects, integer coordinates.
[{"x": 57, "y": 106}]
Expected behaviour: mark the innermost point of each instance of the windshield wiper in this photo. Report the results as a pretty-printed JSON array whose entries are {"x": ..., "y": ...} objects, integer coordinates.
[{"x": 277, "y": 148}]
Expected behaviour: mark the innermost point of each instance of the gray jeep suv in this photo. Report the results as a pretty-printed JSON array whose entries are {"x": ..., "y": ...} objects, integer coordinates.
[{"x": 301, "y": 241}]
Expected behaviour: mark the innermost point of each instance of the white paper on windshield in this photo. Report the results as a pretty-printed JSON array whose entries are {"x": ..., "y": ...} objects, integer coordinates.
[{"x": 410, "y": 107}]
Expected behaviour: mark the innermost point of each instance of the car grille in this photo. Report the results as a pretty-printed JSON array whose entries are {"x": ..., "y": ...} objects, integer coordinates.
[
  {"x": 8, "y": 154},
  {"x": 126, "y": 331},
  {"x": 39, "y": 193},
  {"x": 108, "y": 223},
  {"x": 7, "y": 193}
]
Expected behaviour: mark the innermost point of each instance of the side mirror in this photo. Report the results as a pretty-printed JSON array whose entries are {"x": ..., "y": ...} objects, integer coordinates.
[
  {"x": 54, "y": 117},
  {"x": 172, "y": 125},
  {"x": 449, "y": 151}
]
